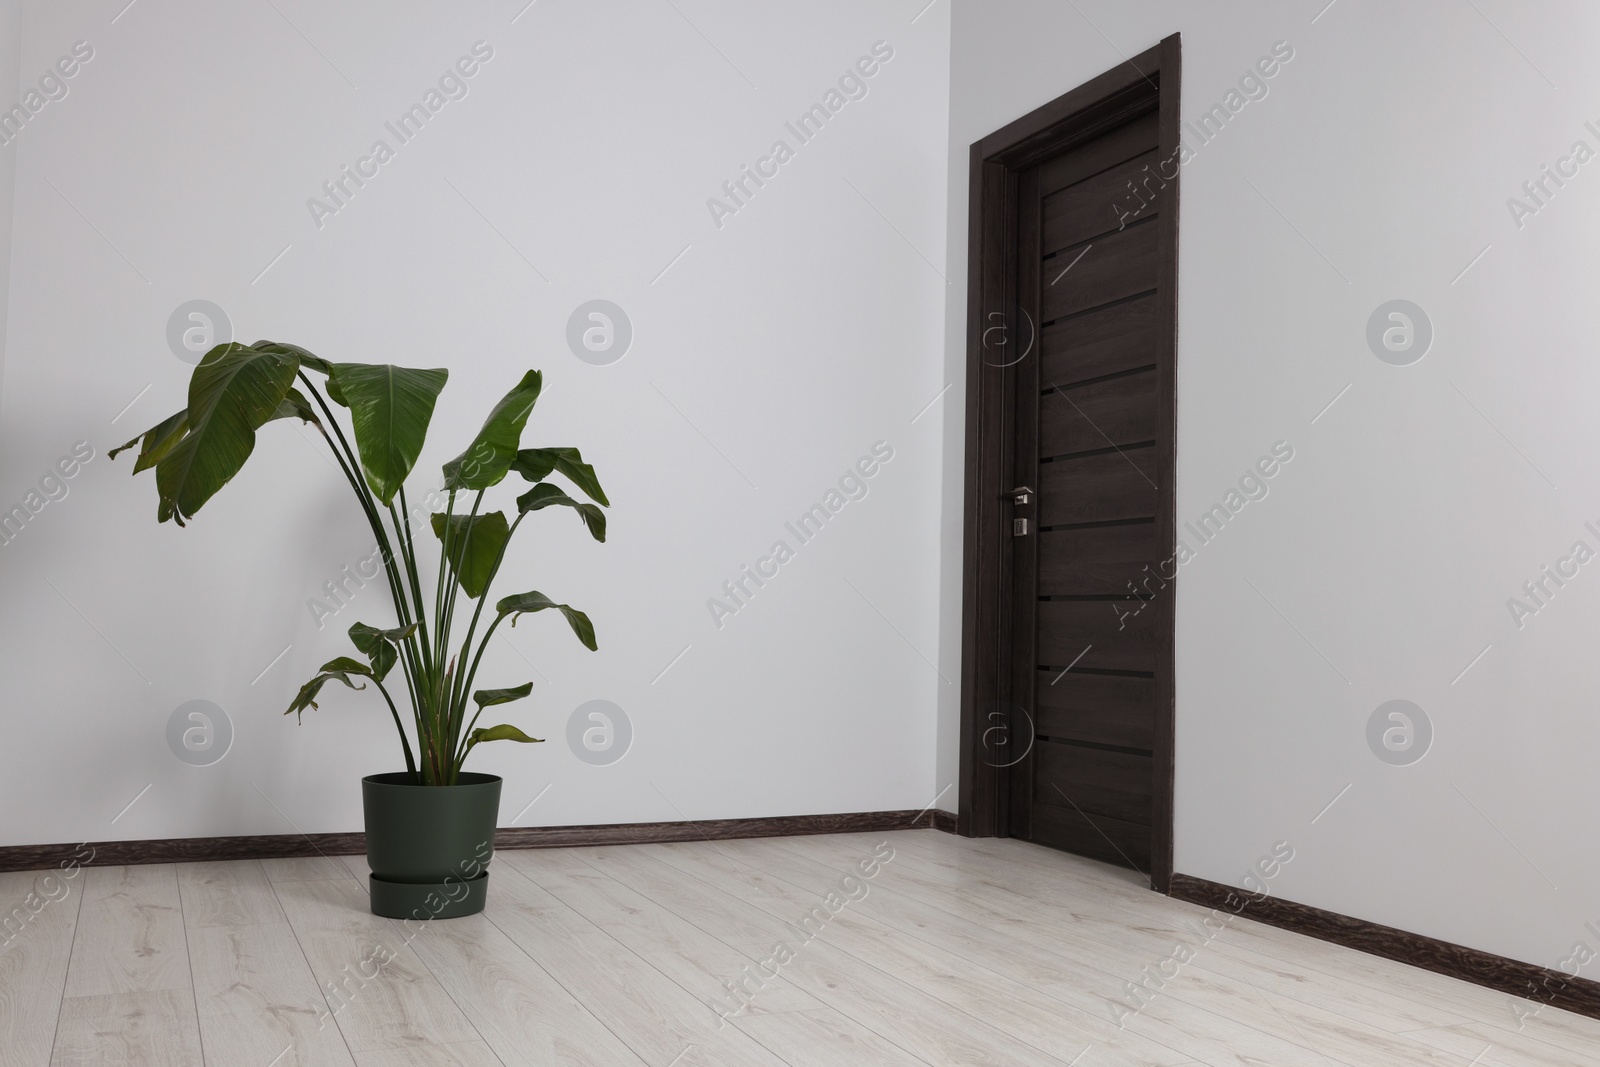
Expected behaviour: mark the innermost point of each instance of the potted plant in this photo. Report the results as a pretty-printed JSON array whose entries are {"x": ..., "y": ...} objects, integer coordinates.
[{"x": 430, "y": 828}]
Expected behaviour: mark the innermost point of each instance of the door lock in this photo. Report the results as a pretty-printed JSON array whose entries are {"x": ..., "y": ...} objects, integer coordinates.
[{"x": 1020, "y": 496}]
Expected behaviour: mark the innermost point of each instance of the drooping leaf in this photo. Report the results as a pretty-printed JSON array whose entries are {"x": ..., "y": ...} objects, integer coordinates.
[
  {"x": 364, "y": 636},
  {"x": 488, "y": 535},
  {"x": 157, "y": 441},
  {"x": 390, "y": 408},
  {"x": 488, "y": 697},
  {"x": 233, "y": 392},
  {"x": 500, "y": 733},
  {"x": 295, "y": 406},
  {"x": 545, "y": 495},
  {"x": 379, "y": 645},
  {"x": 341, "y": 669},
  {"x": 307, "y": 359},
  {"x": 523, "y": 603},
  {"x": 535, "y": 464},
  {"x": 489, "y": 457},
  {"x": 382, "y": 657}
]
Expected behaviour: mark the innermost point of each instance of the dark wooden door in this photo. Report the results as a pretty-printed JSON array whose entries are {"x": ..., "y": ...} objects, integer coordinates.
[
  {"x": 1088, "y": 427},
  {"x": 1076, "y": 241}
]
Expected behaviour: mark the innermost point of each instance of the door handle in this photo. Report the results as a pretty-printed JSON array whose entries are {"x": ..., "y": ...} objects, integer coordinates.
[{"x": 1020, "y": 496}]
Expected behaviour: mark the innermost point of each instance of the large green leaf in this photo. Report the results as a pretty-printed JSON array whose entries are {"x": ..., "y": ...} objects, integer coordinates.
[
  {"x": 523, "y": 603},
  {"x": 390, "y": 408},
  {"x": 341, "y": 669},
  {"x": 535, "y": 464},
  {"x": 489, "y": 697},
  {"x": 157, "y": 441},
  {"x": 489, "y": 457},
  {"x": 545, "y": 495},
  {"x": 488, "y": 535},
  {"x": 234, "y": 391}
]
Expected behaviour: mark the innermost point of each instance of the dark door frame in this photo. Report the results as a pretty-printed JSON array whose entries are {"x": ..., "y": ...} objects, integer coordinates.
[{"x": 1148, "y": 81}]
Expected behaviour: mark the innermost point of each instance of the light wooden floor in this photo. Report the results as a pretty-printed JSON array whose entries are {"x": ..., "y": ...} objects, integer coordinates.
[{"x": 960, "y": 953}]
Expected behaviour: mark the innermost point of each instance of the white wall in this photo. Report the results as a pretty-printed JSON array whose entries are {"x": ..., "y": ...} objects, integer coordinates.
[
  {"x": 10, "y": 60},
  {"x": 1381, "y": 563},
  {"x": 766, "y": 360}
]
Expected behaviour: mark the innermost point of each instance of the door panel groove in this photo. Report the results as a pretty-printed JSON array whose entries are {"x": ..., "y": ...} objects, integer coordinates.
[
  {"x": 1118, "y": 412},
  {"x": 1058, "y": 252},
  {"x": 1077, "y": 669},
  {"x": 1092, "y": 208},
  {"x": 1097, "y": 598},
  {"x": 1096, "y": 525},
  {"x": 1138, "y": 136},
  {"x": 1115, "y": 268},
  {"x": 1108, "y": 305},
  {"x": 1130, "y": 446},
  {"x": 1098, "y": 379},
  {"x": 1125, "y": 750}
]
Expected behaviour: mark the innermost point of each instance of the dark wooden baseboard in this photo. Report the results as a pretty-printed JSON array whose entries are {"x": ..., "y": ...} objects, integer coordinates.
[
  {"x": 273, "y": 846},
  {"x": 1538, "y": 984}
]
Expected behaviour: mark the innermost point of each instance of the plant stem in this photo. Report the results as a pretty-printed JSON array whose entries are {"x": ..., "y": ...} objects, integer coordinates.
[
  {"x": 409, "y": 549},
  {"x": 442, "y": 627},
  {"x": 364, "y": 497},
  {"x": 411, "y": 763},
  {"x": 417, "y": 643},
  {"x": 457, "y": 561},
  {"x": 466, "y": 679},
  {"x": 468, "y": 731}
]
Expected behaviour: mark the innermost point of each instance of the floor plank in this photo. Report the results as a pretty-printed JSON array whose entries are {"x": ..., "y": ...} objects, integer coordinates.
[
  {"x": 305, "y": 869},
  {"x": 525, "y": 1016},
  {"x": 698, "y": 961},
  {"x": 530, "y": 860},
  {"x": 1029, "y": 902},
  {"x": 256, "y": 993},
  {"x": 151, "y": 1028},
  {"x": 382, "y": 995},
  {"x": 467, "y": 1054},
  {"x": 1092, "y": 987},
  {"x": 824, "y": 1038},
  {"x": 35, "y": 947},
  {"x": 1015, "y": 1008},
  {"x": 953, "y": 992},
  {"x": 1491, "y": 1047},
  {"x": 1360, "y": 986},
  {"x": 130, "y": 933},
  {"x": 658, "y": 1019},
  {"x": 1253, "y": 942},
  {"x": 698, "y": 897},
  {"x": 233, "y": 893}
]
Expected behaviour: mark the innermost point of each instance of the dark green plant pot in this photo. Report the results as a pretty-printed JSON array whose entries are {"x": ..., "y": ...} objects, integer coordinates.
[{"x": 429, "y": 846}]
